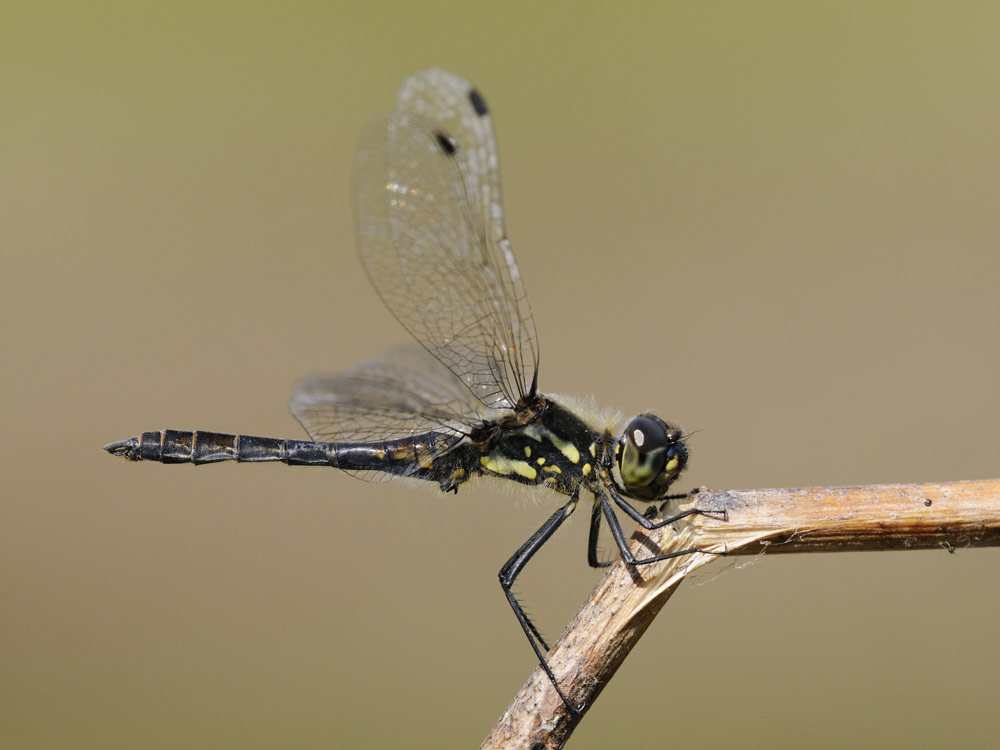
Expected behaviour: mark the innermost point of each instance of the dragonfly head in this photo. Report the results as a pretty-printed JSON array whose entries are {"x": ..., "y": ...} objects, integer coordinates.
[{"x": 651, "y": 454}]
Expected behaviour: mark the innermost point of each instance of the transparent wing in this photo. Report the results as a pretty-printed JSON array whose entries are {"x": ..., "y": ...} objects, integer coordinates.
[
  {"x": 403, "y": 393},
  {"x": 431, "y": 236}
]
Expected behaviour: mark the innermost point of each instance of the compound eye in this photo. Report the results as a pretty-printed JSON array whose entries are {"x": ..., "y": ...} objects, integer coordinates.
[{"x": 642, "y": 452}]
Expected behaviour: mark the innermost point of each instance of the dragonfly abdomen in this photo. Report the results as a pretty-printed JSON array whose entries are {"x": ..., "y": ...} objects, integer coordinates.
[
  {"x": 202, "y": 447},
  {"x": 406, "y": 457}
]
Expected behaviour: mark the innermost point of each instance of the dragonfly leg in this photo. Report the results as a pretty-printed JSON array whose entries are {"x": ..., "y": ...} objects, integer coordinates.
[
  {"x": 595, "y": 529},
  {"x": 648, "y": 524},
  {"x": 509, "y": 573},
  {"x": 619, "y": 535}
]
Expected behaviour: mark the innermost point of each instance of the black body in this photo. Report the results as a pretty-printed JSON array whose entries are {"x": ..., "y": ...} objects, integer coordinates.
[
  {"x": 533, "y": 433},
  {"x": 431, "y": 238}
]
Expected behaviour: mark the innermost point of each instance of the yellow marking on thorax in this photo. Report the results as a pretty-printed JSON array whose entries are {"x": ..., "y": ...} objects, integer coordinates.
[
  {"x": 540, "y": 433},
  {"x": 500, "y": 464},
  {"x": 457, "y": 474},
  {"x": 527, "y": 451},
  {"x": 540, "y": 460},
  {"x": 671, "y": 464},
  {"x": 593, "y": 450},
  {"x": 586, "y": 469},
  {"x": 565, "y": 447},
  {"x": 553, "y": 469}
]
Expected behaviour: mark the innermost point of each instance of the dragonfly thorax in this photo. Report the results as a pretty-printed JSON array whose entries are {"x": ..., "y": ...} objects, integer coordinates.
[{"x": 543, "y": 443}]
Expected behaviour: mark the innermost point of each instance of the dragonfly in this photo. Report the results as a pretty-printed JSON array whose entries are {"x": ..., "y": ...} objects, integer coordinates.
[{"x": 465, "y": 402}]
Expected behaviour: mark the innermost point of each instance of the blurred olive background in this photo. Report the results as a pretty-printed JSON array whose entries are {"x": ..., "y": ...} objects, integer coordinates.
[{"x": 775, "y": 223}]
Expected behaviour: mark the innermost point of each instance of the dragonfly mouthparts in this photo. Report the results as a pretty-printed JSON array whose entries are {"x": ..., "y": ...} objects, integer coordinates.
[{"x": 128, "y": 448}]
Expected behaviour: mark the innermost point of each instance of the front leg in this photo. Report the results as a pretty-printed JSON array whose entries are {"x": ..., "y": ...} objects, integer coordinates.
[
  {"x": 619, "y": 535},
  {"x": 646, "y": 523}
]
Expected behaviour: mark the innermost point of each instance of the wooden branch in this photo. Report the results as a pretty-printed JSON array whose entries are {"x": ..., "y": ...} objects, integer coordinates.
[{"x": 744, "y": 522}]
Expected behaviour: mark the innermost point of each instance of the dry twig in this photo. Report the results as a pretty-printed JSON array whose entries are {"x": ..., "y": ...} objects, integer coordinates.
[{"x": 744, "y": 522}]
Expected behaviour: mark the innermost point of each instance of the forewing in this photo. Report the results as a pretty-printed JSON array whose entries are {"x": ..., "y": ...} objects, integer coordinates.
[{"x": 431, "y": 236}]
